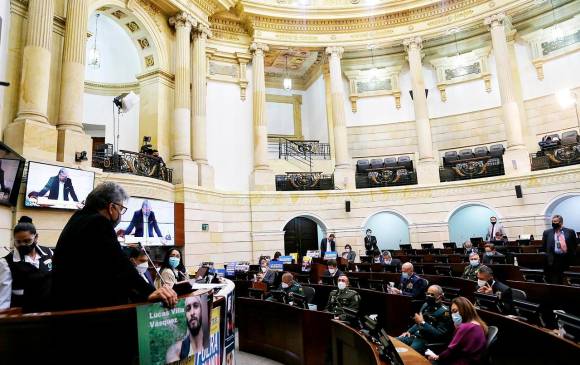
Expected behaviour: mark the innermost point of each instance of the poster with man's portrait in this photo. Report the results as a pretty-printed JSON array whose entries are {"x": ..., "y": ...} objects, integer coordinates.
[{"x": 177, "y": 335}]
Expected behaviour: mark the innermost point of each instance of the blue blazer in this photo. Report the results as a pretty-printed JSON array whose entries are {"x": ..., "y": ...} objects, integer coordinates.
[{"x": 137, "y": 223}]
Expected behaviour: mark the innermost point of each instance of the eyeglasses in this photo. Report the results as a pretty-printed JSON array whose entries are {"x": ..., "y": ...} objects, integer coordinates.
[{"x": 123, "y": 208}]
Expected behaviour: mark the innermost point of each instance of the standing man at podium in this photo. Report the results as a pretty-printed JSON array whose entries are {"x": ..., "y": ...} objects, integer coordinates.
[
  {"x": 370, "y": 243},
  {"x": 144, "y": 222},
  {"x": 328, "y": 244}
]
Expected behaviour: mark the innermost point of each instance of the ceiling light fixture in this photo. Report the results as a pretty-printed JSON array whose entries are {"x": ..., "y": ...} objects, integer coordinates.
[
  {"x": 94, "y": 54},
  {"x": 287, "y": 80},
  {"x": 557, "y": 31}
]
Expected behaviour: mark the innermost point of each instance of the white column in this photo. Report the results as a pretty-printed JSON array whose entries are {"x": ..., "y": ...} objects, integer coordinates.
[
  {"x": 198, "y": 104},
  {"x": 184, "y": 168},
  {"x": 31, "y": 134},
  {"x": 343, "y": 171},
  {"x": 427, "y": 166},
  {"x": 71, "y": 137},
  {"x": 262, "y": 177},
  {"x": 516, "y": 158}
]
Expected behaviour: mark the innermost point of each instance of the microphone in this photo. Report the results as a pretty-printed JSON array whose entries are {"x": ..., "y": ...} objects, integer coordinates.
[
  {"x": 4, "y": 83},
  {"x": 151, "y": 262}
]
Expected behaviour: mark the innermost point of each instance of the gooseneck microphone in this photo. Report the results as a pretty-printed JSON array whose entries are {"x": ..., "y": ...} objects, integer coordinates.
[{"x": 152, "y": 264}]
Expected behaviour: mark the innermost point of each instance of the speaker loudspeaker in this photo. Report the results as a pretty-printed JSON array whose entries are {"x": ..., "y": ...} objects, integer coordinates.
[
  {"x": 519, "y": 193},
  {"x": 347, "y": 205}
]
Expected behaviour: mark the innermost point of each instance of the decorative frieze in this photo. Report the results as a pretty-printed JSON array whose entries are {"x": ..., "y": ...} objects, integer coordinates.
[
  {"x": 228, "y": 67},
  {"x": 374, "y": 82}
]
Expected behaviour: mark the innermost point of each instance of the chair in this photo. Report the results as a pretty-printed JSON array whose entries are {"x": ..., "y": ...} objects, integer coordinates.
[
  {"x": 570, "y": 137},
  {"x": 518, "y": 294},
  {"x": 481, "y": 151},
  {"x": 465, "y": 154},
  {"x": 449, "y": 245},
  {"x": 354, "y": 282},
  {"x": 405, "y": 246},
  {"x": 496, "y": 150},
  {"x": 309, "y": 293},
  {"x": 449, "y": 157},
  {"x": 491, "y": 338},
  {"x": 529, "y": 312},
  {"x": 376, "y": 163},
  {"x": 362, "y": 166},
  {"x": 390, "y": 162},
  {"x": 377, "y": 285},
  {"x": 303, "y": 278},
  {"x": 405, "y": 161}
]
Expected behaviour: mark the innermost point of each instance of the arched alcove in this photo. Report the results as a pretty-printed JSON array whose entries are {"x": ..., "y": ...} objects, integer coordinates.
[
  {"x": 469, "y": 220},
  {"x": 390, "y": 227},
  {"x": 303, "y": 233},
  {"x": 568, "y": 207}
]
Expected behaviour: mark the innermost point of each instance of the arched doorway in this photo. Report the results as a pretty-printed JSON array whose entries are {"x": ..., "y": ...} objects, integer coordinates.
[
  {"x": 300, "y": 235},
  {"x": 567, "y": 207},
  {"x": 390, "y": 228},
  {"x": 468, "y": 221}
]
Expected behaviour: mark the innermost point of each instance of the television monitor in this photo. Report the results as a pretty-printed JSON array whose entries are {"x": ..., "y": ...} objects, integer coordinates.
[
  {"x": 160, "y": 222},
  {"x": 389, "y": 350},
  {"x": 279, "y": 296},
  {"x": 487, "y": 301},
  {"x": 11, "y": 169},
  {"x": 54, "y": 186}
]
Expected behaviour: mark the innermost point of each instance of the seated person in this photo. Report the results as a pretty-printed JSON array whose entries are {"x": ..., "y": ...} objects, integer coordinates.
[
  {"x": 470, "y": 272},
  {"x": 25, "y": 272},
  {"x": 277, "y": 255},
  {"x": 468, "y": 247},
  {"x": 342, "y": 298},
  {"x": 411, "y": 284},
  {"x": 490, "y": 254},
  {"x": 499, "y": 239},
  {"x": 487, "y": 285},
  {"x": 348, "y": 253},
  {"x": 376, "y": 255},
  {"x": 172, "y": 269},
  {"x": 265, "y": 275},
  {"x": 289, "y": 286},
  {"x": 432, "y": 324},
  {"x": 138, "y": 258},
  {"x": 332, "y": 271},
  {"x": 470, "y": 340},
  {"x": 387, "y": 259}
]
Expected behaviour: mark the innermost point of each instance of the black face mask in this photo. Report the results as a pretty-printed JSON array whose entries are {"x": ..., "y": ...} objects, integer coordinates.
[
  {"x": 25, "y": 250},
  {"x": 493, "y": 223},
  {"x": 431, "y": 300},
  {"x": 555, "y": 225}
]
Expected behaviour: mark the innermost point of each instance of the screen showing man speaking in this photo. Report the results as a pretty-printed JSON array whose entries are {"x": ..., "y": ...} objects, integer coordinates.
[
  {"x": 52, "y": 186},
  {"x": 148, "y": 221}
]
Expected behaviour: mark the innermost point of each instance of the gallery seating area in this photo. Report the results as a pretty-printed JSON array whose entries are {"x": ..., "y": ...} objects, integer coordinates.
[
  {"x": 390, "y": 171},
  {"x": 473, "y": 163},
  {"x": 556, "y": 151}
]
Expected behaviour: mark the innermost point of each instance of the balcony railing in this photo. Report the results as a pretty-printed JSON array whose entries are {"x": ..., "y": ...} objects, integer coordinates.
[
  {"x": 134, "y": 163},
  {"x": 386, "y": 176},
  {"x": 473, "y": 168},
  {"x": 303, "y": 151},
  {"x": 560, "y": 155},
  {"x": 293, "y": 181}
]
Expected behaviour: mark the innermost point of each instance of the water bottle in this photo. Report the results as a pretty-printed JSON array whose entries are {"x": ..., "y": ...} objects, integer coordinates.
[{"x": 515, "y": 261}]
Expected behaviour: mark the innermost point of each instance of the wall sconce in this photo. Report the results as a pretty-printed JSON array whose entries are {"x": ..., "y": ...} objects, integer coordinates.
[{"x": 81, "y": 156}]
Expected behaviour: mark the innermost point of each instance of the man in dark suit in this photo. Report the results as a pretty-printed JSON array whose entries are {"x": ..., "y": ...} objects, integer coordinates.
[
  {"x": 488, "y": 285},
  {"x": 370, "y": 243},
  {"x": 328, "y": 243},
  {"x": 387, "y": 259},
  {"x": 142, "y": 216},
  {"x": 559, "y": 243},
  {"x": 90, "y": 232},
  {"x": 59, "y": 187}
]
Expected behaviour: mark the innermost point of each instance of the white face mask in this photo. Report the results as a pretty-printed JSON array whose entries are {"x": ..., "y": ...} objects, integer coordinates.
[
  {"x": 347, "y": 250},
  {"x": 341, "y": 285},
  {"x": 142, "y": 268},
  {"x": 332, "y": 271},
  {"x": 481, "y": 283},
  {"x": 285, "y": 285},
  {"x": 264, "y": 268}
]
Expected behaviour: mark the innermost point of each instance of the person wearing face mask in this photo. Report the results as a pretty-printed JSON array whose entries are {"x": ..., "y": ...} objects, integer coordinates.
[
  {"x": 490, "y": 254},
  {"x": 266, "y": 275},
  {"x": 370, "y": 243},
  {"x": 332, "y": 271},
  {"x": 25, "y": 272},
  {"x": 387, "y": 259},
  {"x": 559, "y": 243},
  {"x": 172, "y": 269},
  {"x": 411, "y": 284},
  {"x": 471, "y": 270},
  {"x": 432, "y": 324},
  {"x": 348, "y": 253},
  {"x": 469, "y": 342},
  {"x": 139, "y": 259},
  {"x": 110, "y": 279},
  {"x": 486, "y": 284},
  {"x": 342, "y": 298},
  {"x": 493, "y": 228},
  {"x": 289, "y": 286}
]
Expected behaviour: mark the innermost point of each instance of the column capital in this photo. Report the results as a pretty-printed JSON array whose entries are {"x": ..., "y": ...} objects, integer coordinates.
[
  {"x": 495, "y": 20},
  {"x": 259, "y": 48},
  {"x": 335, "y": 51},
  {"x": 413, "y": 42},
  {"x": 202, "y": 30},
  {"x": 182, "y": 19}
]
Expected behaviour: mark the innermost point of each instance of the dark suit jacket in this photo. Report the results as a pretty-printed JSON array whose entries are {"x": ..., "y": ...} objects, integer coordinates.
[
  {"x": 52, "y": 188},
  {"x": 549, "y": 245},
  {"x": 490, "y": 259},
  {"x": 324, "y": 246},
  {"x": 371, "y": 243},
  {"x": 137, "y": 223},
  {"x": 74, "y": 285},
  {"x": 2, "y": 186},
  {"x": 394, "y": 262},
  {"x": 505, "y": 296}
]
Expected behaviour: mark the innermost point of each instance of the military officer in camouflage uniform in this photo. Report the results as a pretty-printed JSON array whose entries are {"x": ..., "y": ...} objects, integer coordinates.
[
  {"x": 288, "y": 285},
  {"x": 342, "y": 298},
  {"x": 471, "y": 270},
  {"x": 432, "y": 324}
]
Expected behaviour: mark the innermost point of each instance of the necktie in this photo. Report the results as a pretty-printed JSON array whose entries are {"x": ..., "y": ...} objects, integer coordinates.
[{"x": 562, "y": 241}]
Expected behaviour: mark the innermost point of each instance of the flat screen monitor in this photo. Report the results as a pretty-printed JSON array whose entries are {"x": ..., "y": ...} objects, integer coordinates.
[
  {"x": 148, "y": 221},
  {"x": 299, "y": 301},
  {"x": 11, "y": 169},
  {"x": 60, "y": 187},
  {"x": 389, "y": 350},
  {"x": 487, "y": 302}
]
